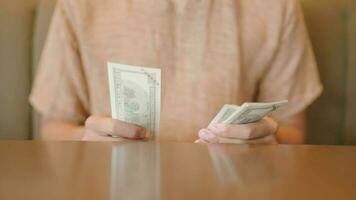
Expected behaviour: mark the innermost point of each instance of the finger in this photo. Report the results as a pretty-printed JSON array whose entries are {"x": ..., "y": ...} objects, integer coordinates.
[
  {"x": 269, "y": 139},
  {"x": 264, "y": 127},
  {"x": 200, "y": 141},
  {"x": 107, "y": 125},
  {"x": 233, "y": 131},
  {"x": 93, "y": 136},
  {"x": 127, "y": 130},
  {"x": 207, "y": 136}
]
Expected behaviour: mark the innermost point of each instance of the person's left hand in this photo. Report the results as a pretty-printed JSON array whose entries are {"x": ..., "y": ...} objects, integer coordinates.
[{"x": 262, "y": 131}]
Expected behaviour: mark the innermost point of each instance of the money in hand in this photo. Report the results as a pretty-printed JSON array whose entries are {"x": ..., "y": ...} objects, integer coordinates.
[
  {"x": 135, "y": 95},
  {"x": 246, "y": 113}
]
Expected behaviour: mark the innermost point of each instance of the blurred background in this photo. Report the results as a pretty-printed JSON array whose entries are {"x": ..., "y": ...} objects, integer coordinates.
[{"x": 332, "y": 29}]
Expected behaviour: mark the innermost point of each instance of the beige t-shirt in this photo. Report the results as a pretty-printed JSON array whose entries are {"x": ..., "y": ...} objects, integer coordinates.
[{"x": 211, "y": 53}]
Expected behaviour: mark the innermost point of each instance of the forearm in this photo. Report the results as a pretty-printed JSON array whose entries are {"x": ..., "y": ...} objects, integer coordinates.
[
  {"x": 293, "y": 131},
  {"x": 60, "y": 130},
  {"x": 290, "y": 135}
]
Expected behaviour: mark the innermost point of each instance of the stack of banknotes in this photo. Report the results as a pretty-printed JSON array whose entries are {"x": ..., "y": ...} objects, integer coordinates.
[
  {"x": 246, "y": 113},
  {"x": 135, "y": 95}
]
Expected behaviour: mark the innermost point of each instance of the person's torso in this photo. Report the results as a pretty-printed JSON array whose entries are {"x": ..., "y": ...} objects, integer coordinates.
[{"x": 211, "y": 52}]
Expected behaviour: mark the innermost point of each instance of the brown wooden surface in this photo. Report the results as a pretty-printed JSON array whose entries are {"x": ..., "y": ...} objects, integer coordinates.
[{"x": 79, "y": 170}]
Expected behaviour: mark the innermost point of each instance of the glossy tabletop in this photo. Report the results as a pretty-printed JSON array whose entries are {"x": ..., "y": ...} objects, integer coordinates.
[{"x": 93, "y": 170}]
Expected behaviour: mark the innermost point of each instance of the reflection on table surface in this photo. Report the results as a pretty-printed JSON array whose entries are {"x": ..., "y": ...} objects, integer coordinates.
[{"x": 93, "y": 170}]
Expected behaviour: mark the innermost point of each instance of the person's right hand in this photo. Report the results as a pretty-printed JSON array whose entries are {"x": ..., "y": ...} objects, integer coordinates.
[{"x": 105, "y": 128}]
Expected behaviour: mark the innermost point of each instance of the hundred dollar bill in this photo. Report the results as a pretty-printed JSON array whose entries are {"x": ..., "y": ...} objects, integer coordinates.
[
  {"x": 226, "y": 111},
  {"x": 247, "y": 112},
  {"x": 135, "y": 95}
]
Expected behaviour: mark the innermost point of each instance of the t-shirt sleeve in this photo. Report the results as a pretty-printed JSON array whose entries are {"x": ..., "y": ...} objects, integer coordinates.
[
  {"x": 293, "y": 73},
  {"x": 60, "y": 89}
]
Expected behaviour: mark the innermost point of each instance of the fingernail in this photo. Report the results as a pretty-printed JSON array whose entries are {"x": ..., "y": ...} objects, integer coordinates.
[{"x": 208, "y": 136}]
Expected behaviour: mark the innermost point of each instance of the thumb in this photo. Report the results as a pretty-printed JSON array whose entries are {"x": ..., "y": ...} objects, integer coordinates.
[{"x": 107, "y": 125}]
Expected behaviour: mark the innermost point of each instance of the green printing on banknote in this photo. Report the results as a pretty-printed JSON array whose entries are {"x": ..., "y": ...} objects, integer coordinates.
[
  {"x": 135, "y": 94},
  {"x": 247, "y": 112}
]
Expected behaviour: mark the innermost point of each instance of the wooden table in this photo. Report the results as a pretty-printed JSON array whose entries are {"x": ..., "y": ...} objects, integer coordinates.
[{"x": 93, "y": 170}]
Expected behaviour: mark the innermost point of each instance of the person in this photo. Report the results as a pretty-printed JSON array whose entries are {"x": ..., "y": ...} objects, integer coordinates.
[{"x": 210, "y": 52}]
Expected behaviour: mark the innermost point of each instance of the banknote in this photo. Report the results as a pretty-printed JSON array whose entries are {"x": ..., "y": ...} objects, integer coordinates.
[
  {"x": 226, "y": 111},
  {"x": 247, "y": 112},
  {"x": 135, "y": 95}
]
